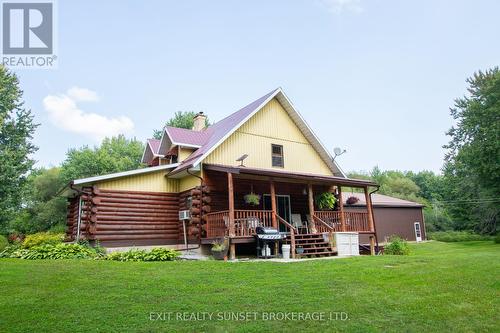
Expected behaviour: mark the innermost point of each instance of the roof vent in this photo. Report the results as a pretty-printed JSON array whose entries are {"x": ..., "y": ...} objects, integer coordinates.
[{"x": 199, "y": 122}]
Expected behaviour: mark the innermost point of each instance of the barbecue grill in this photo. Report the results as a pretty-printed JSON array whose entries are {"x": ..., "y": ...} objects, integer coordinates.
[{"x": 266, "y": 236}]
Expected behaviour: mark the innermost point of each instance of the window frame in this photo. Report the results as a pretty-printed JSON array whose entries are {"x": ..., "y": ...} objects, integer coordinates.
[{"x": 273, "y": 155}]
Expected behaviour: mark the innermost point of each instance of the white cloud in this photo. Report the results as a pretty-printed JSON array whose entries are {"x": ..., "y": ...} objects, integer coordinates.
[
  {"x": 339, "y": 6},
  {"x": 65, "y": 114},
  {"x": 82, "y": 94}
]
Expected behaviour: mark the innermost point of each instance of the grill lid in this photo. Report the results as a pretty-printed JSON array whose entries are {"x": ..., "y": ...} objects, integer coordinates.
[{"x": 266, "y": 231}]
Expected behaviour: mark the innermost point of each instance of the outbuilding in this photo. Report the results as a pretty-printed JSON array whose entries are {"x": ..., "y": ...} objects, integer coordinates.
[{"x": 392, "y": 216}]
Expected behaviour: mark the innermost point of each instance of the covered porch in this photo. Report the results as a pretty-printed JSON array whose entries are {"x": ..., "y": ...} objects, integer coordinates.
[{"x": 287, "y": 203}]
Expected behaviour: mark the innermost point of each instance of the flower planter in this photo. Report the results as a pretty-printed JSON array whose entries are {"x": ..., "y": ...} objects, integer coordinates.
[{"x": 219, "y": 255}]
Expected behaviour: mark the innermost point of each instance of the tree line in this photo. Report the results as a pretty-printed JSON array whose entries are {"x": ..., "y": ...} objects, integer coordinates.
[{"x": 465, "y": 196}]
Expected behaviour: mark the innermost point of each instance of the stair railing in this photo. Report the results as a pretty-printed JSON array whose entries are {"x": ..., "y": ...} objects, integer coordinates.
[
  {"x": 322, "y": 227},
  {"x": 292, "y": 229}
]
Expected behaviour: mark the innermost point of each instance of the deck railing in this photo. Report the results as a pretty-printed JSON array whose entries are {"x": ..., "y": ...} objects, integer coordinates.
[
  {"x": 216, "y": 224},
  {"x": 354, "y": 221},
  {"x": 245, "y": 222}
]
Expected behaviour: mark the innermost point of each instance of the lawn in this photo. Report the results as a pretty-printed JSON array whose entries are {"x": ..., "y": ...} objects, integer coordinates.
[{"x": 440, "y": 287}]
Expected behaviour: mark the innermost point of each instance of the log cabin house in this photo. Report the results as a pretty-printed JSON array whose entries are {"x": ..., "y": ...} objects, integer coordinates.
[{"x": 196, "y": 173}]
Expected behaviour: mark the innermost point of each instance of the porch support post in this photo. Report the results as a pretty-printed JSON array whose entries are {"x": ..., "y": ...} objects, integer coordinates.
[
  {"x": 273, "y": 218},
  {"x": 341, "y": 209},
  {"x": 273, "y": 204},
  {"x": 371, "y": 223},
  {"x": 369, "y": 209},
  {"x": 230, "y": 192},
  {"x": 311, "y": 207}
]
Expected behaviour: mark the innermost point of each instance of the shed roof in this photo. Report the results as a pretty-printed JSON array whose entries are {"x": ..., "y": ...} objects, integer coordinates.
[{"x": 378, "y": 200}]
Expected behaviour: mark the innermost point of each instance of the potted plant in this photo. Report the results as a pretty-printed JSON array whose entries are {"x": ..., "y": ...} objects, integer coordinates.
[
  {"x": 326, "y": 200},
  {"x": 351, "y": 200},
  {"x": 219, "y": 249},
  {"x": 252, "y": 199}
]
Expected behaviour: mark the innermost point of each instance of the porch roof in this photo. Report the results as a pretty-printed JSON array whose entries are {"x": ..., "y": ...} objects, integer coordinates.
[{"x": 290, "y": 175}]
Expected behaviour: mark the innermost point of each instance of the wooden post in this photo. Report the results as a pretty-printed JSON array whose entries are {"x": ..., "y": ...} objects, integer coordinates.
[
  {"x": 372, "y": 245},
  {"x": 311, "y": 208},
  {"x": 341, "y": 209},
  {"x": 371, "y": 223},
  {"x": 230, "y": 192},
  {"x": 273, "y": 204},
  {"x": 369, "y": 209},
  {"x": 275, "y": 212}
]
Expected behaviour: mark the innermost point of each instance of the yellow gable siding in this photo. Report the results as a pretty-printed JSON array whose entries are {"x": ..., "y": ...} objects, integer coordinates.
[
  {"x": 184, "y": 153},
  {"x": 271, "y": 125},
  {"x": 149, "y": 182},
  {"x": 188, "y": 183}
]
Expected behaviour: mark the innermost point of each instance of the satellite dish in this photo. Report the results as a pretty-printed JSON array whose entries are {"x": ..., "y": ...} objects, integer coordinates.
[
  {"x": 242, "y": 158},
  {"x": 337, "y": 151}
]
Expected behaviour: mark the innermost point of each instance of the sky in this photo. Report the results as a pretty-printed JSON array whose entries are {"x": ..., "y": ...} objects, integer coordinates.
[{"x": 376, "y": 78}]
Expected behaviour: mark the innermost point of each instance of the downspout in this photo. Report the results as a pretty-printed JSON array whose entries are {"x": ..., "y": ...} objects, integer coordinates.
[
  {"x": 201, "y": 212},
  {"x": 373, "y": 216}
]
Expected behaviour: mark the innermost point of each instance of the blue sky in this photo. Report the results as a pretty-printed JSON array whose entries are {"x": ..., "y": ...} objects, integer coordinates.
[{"x": 373, "y": 77}]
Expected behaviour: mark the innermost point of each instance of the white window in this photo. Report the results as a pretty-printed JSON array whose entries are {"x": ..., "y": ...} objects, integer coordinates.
[
  {"x": 418, "y": 232},
  {"x": 277, "y": 156}
]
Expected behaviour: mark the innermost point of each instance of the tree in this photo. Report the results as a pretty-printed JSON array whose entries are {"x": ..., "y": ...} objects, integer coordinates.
[
  {"x": 472, "y": 160},
  {"x": 181, "y": 119},
  {"x": 16, "y": 134},
  {"x": 115, "y": 154},
  {"x": 43, "y": 208}
]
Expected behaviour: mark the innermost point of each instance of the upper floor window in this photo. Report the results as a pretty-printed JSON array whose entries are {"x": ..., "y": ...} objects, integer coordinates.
[{"x": 277, "y": 156}]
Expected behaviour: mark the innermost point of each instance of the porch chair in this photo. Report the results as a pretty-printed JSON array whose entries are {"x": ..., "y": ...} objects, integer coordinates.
[
  {"x": 252, "y": 224},
  {"x": 297, "y": 223}
]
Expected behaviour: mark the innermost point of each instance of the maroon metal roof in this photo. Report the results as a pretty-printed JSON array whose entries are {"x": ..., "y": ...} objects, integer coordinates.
[
  {"x": 188, "y": 137},
  {"x": 154, "y": 144},
  {"x": 333, "y": 180}
]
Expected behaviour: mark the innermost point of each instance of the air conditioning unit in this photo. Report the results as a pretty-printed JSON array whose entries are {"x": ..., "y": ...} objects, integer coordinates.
[{"x": 184, "y": 215}]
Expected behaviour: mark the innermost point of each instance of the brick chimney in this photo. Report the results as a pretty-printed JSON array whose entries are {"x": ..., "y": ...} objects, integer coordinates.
[{"x": 199, "y": 122}]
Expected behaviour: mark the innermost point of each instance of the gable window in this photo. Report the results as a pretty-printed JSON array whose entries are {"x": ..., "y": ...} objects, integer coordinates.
[{"x": 277, "y": 156}]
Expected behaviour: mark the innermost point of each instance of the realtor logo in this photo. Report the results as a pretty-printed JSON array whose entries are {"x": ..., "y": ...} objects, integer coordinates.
[{"x": 28, "y": 34}]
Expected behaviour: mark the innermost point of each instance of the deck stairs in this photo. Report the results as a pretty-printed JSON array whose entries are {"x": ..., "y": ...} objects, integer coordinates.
[{"x": 314, "y": 245}]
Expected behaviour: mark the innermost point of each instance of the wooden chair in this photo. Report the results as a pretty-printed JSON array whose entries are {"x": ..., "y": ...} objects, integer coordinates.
[{"x": 297, "y": 223}]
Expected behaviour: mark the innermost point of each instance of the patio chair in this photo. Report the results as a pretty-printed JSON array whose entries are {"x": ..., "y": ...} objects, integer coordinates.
[
  {"x": 297, "y": 223},
  {"x": 252, "y": 223}
]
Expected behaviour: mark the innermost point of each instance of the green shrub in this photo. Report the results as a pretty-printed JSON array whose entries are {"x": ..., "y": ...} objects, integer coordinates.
[
  {"x": 57, "y": 251},
  {"x": 456, "y": 236},
  {"x": 497, "y": 238},
  {"x": 397, "y": 246},
  {"x": 8, "y": 250},
  {"x": 58, "y": 229},
  {"x": 42, "y": 238},
  {"x": 3, "y": 242},
  {"x": 156, "y": 254}
]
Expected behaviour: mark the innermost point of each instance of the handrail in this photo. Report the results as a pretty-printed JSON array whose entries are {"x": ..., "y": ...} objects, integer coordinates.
[
  {"x": 285, "y": 223},
  {"x": 293, "y": 230}
]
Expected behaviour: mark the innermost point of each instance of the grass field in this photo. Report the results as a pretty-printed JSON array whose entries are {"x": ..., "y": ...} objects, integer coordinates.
[{"x": 440, "y": 287}]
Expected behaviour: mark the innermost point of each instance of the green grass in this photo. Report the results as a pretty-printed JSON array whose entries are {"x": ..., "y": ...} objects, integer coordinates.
[{"x": 440, "y": 287}]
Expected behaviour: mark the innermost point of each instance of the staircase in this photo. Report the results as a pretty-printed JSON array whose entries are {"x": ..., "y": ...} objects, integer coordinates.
[{"x": 314, "y": 246}]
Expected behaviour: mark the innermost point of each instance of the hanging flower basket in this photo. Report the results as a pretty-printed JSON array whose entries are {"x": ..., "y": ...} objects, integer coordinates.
[
  {"x": 352, "y": 200},
  {"x": 326, "y": 200},
  {"x": 252, "y": 199}
]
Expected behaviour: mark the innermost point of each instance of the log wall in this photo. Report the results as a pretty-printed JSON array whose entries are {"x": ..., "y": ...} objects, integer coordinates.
[{"x": 127, "y": 218}]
